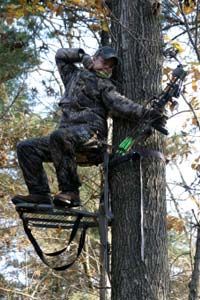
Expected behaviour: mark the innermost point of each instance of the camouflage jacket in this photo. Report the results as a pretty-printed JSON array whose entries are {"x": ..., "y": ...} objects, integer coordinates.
[{"x": 89, "y": 99}]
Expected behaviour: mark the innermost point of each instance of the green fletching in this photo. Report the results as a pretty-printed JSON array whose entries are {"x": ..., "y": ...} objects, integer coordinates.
[{"x": 125, "y": 145}]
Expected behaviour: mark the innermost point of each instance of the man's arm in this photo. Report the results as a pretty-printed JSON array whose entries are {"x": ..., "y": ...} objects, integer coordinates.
[
  {"x": 122, "y": 107},
  {"x": 119, "y": 105},
  {"x": 65, "y": 59}
]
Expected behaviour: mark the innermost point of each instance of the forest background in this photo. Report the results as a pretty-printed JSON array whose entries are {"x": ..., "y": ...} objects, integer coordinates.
[{"x": 30, "y": 34}]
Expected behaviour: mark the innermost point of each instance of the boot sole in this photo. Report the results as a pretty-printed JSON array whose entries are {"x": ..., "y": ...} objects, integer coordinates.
[
  {"x": 16, "y": 201},
  {"x": 66, "y": 203}
]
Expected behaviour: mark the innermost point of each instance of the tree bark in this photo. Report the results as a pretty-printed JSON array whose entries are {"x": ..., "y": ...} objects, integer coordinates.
[
  {"x": 194, "y": 286},
  {"x": 136, "y": 36}
]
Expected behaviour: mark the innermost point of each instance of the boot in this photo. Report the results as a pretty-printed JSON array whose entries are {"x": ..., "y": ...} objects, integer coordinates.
[
  {"x": 32, "y": 198},
  {"x": 69, "y": 199}
]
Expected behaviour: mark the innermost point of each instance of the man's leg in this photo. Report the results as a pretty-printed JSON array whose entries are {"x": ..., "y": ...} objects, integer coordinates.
[
  {"x": 63, "y": 144},
  {"x": 31, "y": 155}
]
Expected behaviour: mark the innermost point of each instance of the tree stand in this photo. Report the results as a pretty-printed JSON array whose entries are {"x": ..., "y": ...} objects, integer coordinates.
[{"x": 49, "y": 216}]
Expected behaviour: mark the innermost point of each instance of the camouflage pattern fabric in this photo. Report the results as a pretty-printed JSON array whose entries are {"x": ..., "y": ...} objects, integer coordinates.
[
  {"x": 88, "y": 98},
  {"x": 59, "y": 147},
  {"x": 85, "y": 105}
]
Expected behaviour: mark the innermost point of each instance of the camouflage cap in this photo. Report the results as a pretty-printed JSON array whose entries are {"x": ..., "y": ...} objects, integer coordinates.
[{"x": 107, "y": 52}]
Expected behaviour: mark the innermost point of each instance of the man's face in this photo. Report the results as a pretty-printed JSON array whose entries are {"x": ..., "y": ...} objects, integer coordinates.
[{"x": 103, "y": 65}]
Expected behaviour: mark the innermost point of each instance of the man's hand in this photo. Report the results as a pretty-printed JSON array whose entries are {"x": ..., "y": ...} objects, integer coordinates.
[
  {"x": 157, "y": 119},
  {"x": 87, "y": 61}
]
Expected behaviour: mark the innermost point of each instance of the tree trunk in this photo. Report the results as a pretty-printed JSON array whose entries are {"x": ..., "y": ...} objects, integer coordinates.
[
  {"x": 136, "y": 36},
  {"x": 194, "y": 286}
]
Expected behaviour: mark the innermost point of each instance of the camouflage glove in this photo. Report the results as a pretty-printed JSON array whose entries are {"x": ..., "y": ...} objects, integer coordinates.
[
  {"x": 87, "y": 61},
  {"x": 157, "y": 119}
]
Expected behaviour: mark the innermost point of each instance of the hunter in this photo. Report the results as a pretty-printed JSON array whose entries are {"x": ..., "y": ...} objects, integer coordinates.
[{"x": 90, "y": 97}]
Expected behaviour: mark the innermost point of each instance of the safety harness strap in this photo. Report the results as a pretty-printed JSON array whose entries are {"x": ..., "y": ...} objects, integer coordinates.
[
  {"x": 141, "y": 211},
  {"x": 150, "y": 153},
  {"x": 134, "y": 154}
]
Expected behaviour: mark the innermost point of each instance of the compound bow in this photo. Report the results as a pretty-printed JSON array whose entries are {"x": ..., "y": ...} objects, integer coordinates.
[{"x": 172, "y": 90}]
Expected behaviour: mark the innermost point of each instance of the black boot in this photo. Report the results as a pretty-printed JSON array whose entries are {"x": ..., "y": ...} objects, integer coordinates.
[
  {"x": 32, "y": 198},
  {"x": 69, "y": 199}
]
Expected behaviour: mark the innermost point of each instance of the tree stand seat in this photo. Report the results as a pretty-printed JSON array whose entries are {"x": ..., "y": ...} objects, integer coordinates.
[{"x": 91, "y": 153}]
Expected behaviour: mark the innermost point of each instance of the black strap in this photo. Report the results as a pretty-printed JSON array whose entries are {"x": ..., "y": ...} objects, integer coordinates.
[
  {"x": 72, "y": 236},
  {"x": 135, "y": 154},
  {"x": 41, "y": 254},
  {"x": 149, "y": 153},
  {"x": 105, "y": 216}
]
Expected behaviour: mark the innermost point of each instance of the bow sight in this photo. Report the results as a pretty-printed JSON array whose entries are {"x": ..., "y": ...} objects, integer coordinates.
[{"x": 172, "y": 90}]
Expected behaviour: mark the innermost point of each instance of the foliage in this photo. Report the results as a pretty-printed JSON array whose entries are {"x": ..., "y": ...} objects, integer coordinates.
[
  {"x": 29, "y": 31},
  {"x": 16, "y": 57}
]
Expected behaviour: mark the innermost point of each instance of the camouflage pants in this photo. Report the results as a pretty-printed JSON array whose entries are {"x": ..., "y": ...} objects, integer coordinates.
[{"x": 59, "y": 147}]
